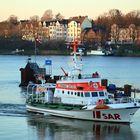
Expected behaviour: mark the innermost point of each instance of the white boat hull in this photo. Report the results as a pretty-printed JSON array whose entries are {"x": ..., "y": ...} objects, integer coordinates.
[
  {"x": 96, "y": 52},
  {"x": 108, "y": 115}
]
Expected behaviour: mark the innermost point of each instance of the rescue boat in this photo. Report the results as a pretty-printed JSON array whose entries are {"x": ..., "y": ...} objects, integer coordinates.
[{"x": 80, "y": 96}]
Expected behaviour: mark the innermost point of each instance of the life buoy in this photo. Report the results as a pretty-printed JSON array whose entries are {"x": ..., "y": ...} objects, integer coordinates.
[
  {"x": 40, "y": 89},
  {"x": 95, "y": 85},
  {"x": 100, "y": 102}
]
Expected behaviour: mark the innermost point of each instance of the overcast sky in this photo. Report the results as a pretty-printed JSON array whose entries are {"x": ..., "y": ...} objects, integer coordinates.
[{"x": 24, "y": 9}]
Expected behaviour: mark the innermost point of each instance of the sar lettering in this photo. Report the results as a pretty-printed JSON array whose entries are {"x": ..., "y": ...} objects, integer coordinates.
[{"x": 111, "y": 116}]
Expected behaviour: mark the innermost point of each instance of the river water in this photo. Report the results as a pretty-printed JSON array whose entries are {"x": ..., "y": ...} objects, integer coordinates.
[{"x": 17, "y": 124}]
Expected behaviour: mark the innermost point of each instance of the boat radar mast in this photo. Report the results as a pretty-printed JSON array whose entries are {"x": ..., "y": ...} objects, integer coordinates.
[{"x": 77, "y": 60}]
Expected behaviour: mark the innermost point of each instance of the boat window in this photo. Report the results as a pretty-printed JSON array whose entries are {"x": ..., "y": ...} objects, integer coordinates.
[
  {"x": 62, "y": 91},
  {"x": 68, "y": 92},
  {"x": 87, "y": 94},
  {"x": 82, "y": 95},
  {"x": 94, "y": 94},
  {"x": 78, "y": 93},
  {"x": 71, "y": 93},
  {"x": 101, "y": 93},
  {"x": 75, "y": 93}
]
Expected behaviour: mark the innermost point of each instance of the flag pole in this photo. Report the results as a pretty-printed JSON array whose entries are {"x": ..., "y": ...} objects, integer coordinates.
[
  {"x": 35, "y": 49},
  {"x": 37, "y": 40}
]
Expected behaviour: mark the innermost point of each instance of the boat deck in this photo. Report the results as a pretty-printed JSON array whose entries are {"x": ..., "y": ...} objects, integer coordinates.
[{"x": 56, "y": 106}]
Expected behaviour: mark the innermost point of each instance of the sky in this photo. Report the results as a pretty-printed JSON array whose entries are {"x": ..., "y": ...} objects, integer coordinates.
[{"x": 24, "y": 9}]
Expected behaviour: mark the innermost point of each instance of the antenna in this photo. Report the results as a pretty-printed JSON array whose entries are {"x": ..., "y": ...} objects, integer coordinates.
[{"x": 77, "y": 63}]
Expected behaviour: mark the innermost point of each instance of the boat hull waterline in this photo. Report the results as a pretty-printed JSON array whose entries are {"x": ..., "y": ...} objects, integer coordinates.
[{"x": 108, "y": 115}]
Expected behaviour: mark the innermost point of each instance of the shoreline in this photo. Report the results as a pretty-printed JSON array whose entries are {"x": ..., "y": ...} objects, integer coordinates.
[{"x": 68, "y": 54}]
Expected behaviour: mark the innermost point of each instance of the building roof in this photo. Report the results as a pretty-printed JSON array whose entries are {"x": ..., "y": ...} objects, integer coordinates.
[
  {"x": 63, "y": 21},
  {"x": 79, "y": 19},
  {"x": 34, "y": 67}
]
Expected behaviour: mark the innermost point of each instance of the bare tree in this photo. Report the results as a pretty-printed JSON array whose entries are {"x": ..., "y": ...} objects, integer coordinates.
[
  {"x": 133, "y": 17},
  {"x": 114, "y": 12},
  {"x": 116, "y": 16},
  {"x": 48, "y": 15},
  {"x": 59, "y": 16},
  {"x": 132, "y": 29},
  {"x": 13, "y": 19},
  {"x": 114, "y": 33},
  {"x": 34, "y": 18}
]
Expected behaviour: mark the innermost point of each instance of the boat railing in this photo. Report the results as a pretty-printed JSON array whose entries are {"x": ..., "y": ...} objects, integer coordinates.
[
  {"x": 123, "y": 100},
  {"x": 84, "y": 76},
  {"x": 36, "y": 88}
]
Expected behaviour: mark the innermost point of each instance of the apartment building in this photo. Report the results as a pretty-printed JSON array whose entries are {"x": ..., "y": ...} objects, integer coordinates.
[
  {"x": 29, "y": 29},
  {"x": 66, "y": 29},
  {"x": 127, "y": 35},
  {"x": 57, "y": 29}
]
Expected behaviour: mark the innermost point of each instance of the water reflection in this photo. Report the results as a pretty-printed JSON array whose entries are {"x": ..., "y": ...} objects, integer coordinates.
[
  {"x": 23, "y": 93},
  {"x": 55, "y": 128}
]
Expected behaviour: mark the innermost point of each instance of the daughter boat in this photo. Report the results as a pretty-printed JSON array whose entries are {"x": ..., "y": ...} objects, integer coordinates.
[{"x": 80, "y": 96}]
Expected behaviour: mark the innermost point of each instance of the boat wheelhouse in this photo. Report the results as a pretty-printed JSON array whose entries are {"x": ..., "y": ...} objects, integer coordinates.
[{"x": 77, "y": 91}]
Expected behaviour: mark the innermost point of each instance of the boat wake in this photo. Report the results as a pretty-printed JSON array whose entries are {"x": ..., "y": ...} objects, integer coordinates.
[{"x": 17, "y": 110}]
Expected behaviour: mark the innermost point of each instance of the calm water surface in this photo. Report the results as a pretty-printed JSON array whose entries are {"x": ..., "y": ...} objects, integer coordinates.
[{"x": 16, "y": 124}]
